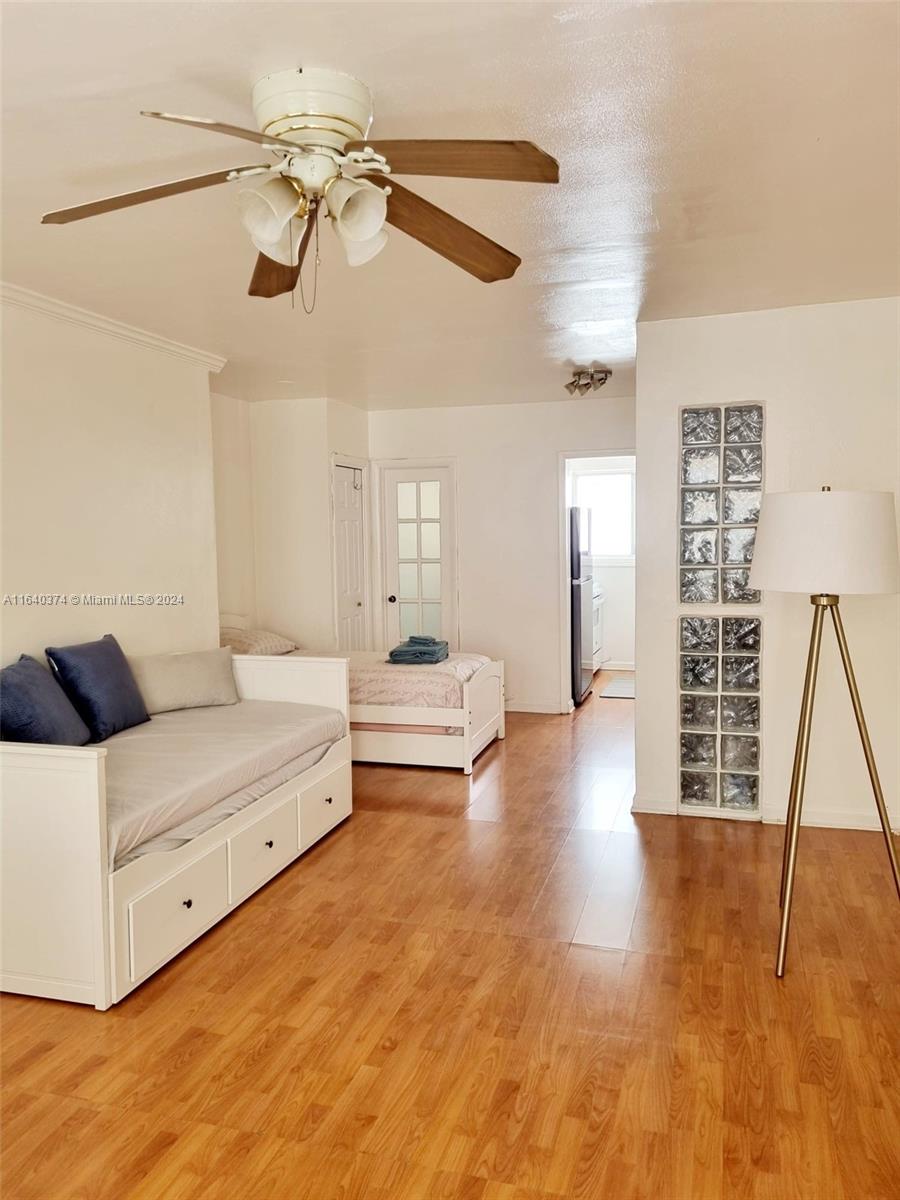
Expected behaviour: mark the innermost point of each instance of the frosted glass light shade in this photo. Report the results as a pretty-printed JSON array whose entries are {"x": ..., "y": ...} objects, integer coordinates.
[
  {"x": 359, "y": 253},
  {"x": 358, "y": 208},
  {"x": 266, "y": 209},
  {"x": 826, "y": 543},
  {"x": 287, "y": 249}
]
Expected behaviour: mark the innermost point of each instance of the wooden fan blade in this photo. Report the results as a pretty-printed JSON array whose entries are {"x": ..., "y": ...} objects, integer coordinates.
[
  {"x": 63, "y": 215},
  {"x": 446, "y": 235},
  {"x": 520, "y": 161},
  {"x": 271, "y": 278},
  {"x": 249, "y": 135}
]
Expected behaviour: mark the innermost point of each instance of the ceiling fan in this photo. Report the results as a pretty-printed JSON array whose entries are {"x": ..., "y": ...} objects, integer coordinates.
[{"x": 316, "y": 122}]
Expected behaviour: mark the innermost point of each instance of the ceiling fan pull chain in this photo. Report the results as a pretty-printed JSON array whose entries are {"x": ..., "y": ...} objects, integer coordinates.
[{"x": 309, "y": 311}]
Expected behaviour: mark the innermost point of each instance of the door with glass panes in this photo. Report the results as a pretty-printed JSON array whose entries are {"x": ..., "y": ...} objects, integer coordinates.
[{"x": 420, "y": 553}]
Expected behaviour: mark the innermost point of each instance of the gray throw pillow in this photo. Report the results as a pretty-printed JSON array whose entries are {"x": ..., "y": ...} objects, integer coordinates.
[{"x": 202, "y": 679}]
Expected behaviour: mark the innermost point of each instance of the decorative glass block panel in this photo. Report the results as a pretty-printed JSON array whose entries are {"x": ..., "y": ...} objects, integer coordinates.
[
  {"x": 744, "y": 423},
  {"x": 740, "y": 791},
  {"x": 740, "y": 506},
  {"x": 431, "y": 620},
  {"x": 407, "y": 542},
  {"x": 699, "y": 506},
  {"x": 700, "y": 465},
  {"x": 701, "y": 425},
  {"x": 699, "y": 672},
  {"x": 740, "y": 753},
  {"x": 740, "y": 712},
  {"x": 408, "y": 581},
  {"x": 430, "y": 500},
  {"x": 406, "y": 501},
  {"x": 743, "y": 464},
  {"x": 700, "y": 634},
  {"x": 699, "y": 546},
  {"x": 698, "y": 788},
  {"x": 736, "y": 587},
  {"x": 409, "y": 619},
  {"x": 721, "y": 473},
  {"x": 698, "y": 750},
  {"x": 741, "y": 634},
  {"x": 700, "y": 585},
  {"x": 431, "y": 581},
  {"x": 737, "y": 545},
  {"x": 740, "y": 672},
  {"x": 698, "y": 712},
  {"x": 431, "y": 539}
]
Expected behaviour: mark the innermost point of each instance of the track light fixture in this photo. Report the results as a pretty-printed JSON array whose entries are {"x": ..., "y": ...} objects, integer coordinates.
[{"x": 587, "y": 379}]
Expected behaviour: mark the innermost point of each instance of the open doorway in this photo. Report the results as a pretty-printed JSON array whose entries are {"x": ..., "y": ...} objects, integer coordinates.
[{"x": 599, "y": 498}]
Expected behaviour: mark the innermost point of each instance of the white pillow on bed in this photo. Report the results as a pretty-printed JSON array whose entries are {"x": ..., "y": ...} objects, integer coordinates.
[
  {"x": 168, "y": 682},
  {"x": 254, "y": 641}
]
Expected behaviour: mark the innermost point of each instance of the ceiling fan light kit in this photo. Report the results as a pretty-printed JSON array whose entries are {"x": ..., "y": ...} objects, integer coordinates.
[{"x": 316, "y": 122}]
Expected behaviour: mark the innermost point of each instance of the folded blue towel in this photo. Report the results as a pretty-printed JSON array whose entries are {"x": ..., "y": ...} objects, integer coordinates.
[
  {"x": 419, "y": 651},
  {"x": 423, "y": 639}
]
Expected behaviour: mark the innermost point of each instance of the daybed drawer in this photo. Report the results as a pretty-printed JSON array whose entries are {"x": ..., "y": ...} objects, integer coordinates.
[
  {"x": 175, "y": 911},
  {"x": 324, "y": 805},
  {"x": 259, "y": 852}
]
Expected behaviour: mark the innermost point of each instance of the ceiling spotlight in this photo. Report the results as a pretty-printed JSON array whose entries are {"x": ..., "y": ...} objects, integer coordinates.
[{"x": 587, "y": 379}]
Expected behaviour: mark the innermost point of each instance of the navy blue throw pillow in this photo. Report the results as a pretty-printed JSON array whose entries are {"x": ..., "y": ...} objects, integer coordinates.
[
  {"x": 34, "y": 708},
  {"x": 98, "y": 680}
]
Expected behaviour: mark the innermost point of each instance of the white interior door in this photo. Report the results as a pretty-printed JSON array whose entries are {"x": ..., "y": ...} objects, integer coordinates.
[
  {"x": 419, "y": 539},
  {"x": 350, "y": 558}
]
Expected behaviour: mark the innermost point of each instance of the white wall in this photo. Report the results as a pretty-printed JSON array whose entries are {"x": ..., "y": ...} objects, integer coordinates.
[
  {"x": 829, "y": 378},
  {"x": 291, "y": 519},
  {"x": 107, "y": 483},
  {"x": 508, "y": 479},
  {"x": 617, "y": 581},
  {"x": 234, "y": 505},
  {"x": 348, "y": 430}
]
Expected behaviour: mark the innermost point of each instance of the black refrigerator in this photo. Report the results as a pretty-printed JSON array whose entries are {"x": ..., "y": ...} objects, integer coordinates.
[{"x": 581, "y": 590}]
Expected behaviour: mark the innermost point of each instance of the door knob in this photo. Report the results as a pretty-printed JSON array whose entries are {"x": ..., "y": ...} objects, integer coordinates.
[{"x": 392, "y": 599}]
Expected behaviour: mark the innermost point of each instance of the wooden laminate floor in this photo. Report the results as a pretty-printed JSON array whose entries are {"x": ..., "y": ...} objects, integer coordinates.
[{"x": 503, "y": 988}]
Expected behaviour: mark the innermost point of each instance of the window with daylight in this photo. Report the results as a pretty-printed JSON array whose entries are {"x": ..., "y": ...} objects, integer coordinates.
[{"x": 609, "y": 495}]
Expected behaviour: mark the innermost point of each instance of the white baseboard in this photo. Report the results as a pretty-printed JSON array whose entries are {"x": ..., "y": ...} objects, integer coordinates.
[
  {"x": 616, "y": 666},
  {"x": 834, "y": 819},
  {"x": 827, "y": 819},
  {"x": 644, "y": 804},
  {"x": 551, "y": 708}
]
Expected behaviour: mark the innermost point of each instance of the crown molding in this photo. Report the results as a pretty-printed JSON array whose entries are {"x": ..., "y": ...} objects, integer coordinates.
[{"x": 59, "y": 310}]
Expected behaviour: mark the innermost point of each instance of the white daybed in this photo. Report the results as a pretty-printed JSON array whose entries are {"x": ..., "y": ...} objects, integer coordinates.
[
  {"x": 440, "y": 715},
  {"x": 95, "y": 902}
]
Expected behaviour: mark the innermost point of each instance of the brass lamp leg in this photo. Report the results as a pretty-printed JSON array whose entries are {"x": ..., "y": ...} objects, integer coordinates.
[
  {"x": 792, "y": 829},
  {"x": 866, "y": 744},
  {"x": 803, "y": 724}
]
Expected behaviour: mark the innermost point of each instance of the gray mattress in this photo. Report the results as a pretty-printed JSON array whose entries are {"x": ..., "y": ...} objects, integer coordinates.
[{"x": 182, "y": 772}]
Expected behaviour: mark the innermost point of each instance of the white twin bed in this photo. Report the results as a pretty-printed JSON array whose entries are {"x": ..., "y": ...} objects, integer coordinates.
[
  {"x": 436, "y": 715},
  {"x": 431, "y": 715}
]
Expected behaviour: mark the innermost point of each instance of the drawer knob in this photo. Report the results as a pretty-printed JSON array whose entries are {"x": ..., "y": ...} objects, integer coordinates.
[
  {"x": 270, "y": 844},
  {"x": 329, "y": 800},
  {"x": 188, "y": 903}
]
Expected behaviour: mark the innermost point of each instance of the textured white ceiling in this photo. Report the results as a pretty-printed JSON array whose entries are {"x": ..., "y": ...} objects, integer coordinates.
[{"x": 714, "y": 157}]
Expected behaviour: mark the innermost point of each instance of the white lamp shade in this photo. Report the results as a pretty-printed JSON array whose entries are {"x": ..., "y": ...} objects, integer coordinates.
[
  {"x": 826, "y": 543},
  {"x": 265, "y": 210},
  {"x": 358, "y": 208},
  {"x": 287, "y": 249},
  {"x": 359, "y": 253}
]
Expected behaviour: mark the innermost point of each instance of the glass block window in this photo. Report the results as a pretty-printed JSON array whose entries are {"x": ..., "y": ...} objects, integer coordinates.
[{"x": 720, "y": 485}]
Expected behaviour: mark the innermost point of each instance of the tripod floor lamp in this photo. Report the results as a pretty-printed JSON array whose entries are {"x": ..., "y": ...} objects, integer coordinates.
[{"x": 825, "y": 544}]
